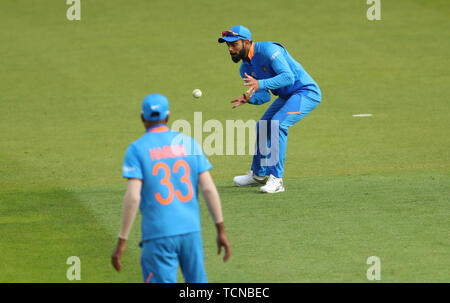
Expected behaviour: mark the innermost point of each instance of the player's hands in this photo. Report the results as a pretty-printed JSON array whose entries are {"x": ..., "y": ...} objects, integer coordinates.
[
  {"x": 117, "y": 254},
  {"x": 223, "y": 241},
  {"x": 254, "y": 86},
  {"x": 252, "y": 82},
  {"x": 241, "y": 100}
]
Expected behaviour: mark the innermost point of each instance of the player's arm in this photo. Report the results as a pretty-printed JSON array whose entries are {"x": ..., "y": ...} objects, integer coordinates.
[
  {"x": 212, "y": 199},
  {"x": 261, "y": 96},
  {"x": 130, "y": 206},
  {"x": 254, "y": 95},
  {"x": 284, "y": 75}
]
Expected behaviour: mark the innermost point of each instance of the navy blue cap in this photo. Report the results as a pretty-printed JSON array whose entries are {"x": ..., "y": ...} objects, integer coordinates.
[
  {"x": 235, "y": 33},
  {"x": 155, "y": 107}
]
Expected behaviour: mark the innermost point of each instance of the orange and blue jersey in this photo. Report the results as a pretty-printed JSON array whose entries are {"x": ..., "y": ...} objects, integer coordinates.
[
  {"x": 274, "y": 68},
  {"x": 168, "y": 163}
]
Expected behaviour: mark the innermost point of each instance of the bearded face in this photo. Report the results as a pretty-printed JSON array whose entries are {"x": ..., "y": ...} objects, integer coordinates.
[{"x": 237, "y": 50}]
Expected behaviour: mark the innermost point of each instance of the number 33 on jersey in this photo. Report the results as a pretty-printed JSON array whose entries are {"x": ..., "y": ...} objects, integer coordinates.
[
  {"x": 166, "y": 181},
  {"x": 169, "y": 172}
]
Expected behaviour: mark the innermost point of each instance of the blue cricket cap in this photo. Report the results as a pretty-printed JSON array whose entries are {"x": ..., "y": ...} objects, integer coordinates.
[
  {"x": 155, "y": 107},
  {"x": 235, "y": 33}
]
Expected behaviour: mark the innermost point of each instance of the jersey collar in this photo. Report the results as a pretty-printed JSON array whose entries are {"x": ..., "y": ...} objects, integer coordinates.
[
  {"x": 251, "y": 52},
  {"x": 158, "y": 128}
]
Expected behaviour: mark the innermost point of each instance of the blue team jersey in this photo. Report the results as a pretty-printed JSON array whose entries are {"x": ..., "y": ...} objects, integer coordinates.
[
  {"x": 275, "y": 69},
  {"x": 168, "y": 163}
]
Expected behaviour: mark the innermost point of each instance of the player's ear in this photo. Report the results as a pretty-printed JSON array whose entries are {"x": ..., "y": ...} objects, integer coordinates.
[
  {"x": 142, "y": 118},
  {"x": 167, "y": 119}
]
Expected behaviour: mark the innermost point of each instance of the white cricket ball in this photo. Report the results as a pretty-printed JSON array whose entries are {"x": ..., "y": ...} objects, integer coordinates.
[{"x": 197, "y": 93}]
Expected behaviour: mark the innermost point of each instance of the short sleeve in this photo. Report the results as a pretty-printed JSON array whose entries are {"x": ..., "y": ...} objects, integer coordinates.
[
  {"x": 202, "y": 161},
  {"x": 131, "y": 164}
]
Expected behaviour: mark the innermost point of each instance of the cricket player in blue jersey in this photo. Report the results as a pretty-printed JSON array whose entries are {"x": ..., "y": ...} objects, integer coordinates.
[
  {"x": 267, "y": 66},
  {"x": 164, "y": 169}
]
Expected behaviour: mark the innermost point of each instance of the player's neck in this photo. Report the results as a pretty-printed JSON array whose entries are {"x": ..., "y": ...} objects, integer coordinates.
[{"x": 149, "y": 125}]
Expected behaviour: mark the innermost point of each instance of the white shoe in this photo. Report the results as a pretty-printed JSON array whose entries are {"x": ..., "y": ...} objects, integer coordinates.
[
  {"x": 249, "y": 179},
  {"x": 273, "y": 185}
]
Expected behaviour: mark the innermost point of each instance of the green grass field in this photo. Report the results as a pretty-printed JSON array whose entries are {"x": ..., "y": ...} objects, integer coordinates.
[{"x": 70, "y": 95}]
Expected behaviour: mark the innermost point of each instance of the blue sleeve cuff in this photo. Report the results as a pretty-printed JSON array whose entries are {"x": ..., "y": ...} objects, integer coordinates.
[
  {"x": 261, "y": 84},
  {"x": 203, "y": 169}
]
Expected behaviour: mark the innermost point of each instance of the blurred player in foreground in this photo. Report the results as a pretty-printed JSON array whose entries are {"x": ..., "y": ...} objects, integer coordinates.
[
  {"x": 268, "y": 66},
  {"x": 163, "y": 173}
]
